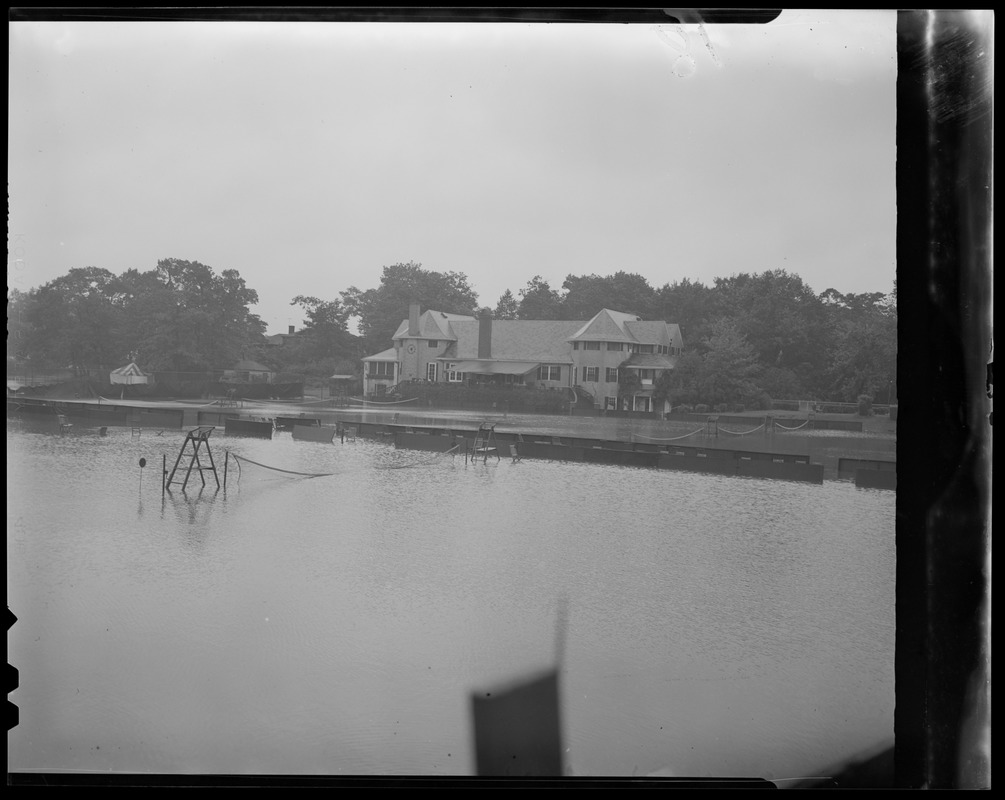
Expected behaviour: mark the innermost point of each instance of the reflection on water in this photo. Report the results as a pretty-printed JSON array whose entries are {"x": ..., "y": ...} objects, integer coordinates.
[{"x": 716, "y": 625}]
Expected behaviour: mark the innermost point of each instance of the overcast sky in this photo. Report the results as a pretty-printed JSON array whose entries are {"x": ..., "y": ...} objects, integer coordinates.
[{"x": 308, "y": 155}]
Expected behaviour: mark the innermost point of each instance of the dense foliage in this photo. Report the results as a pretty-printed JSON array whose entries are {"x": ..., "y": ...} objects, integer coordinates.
[
  {"x": 380, "y": 310},
  {"x": 749, "y": 338},
  {"x": 180, "y": 316}
]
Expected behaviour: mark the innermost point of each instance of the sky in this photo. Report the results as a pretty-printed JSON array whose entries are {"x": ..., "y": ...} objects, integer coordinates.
[{"x": 308, "y": 156}]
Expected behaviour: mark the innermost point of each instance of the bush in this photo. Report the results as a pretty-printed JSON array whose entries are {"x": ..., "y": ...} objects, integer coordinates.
[
  {"x": 701, "y": 408},
  {"x": 865, "y": 405},
  {"x": 685, "y": 408},
  {"x": 721, "y": 408},
  {"x": 739, "y": 408}
]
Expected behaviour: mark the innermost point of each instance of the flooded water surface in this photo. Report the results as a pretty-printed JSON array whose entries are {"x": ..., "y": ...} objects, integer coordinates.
[{"x": 713, "y": 625}]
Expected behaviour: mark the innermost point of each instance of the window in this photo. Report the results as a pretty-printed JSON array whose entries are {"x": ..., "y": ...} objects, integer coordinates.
[
  {"x": 611, "y": 403},
  {"x": 453, "y": 376},
  {"x": 644, "y": 348},
  {"x": 591, "y": 374},
  {"x": 433, "y": 343},
  {"x": 612, "y": 375},
  {"x": 549, "y": 373},
  {"x": 575, "y": 345},
  {"x": 616, "y": 346},
  {"x": 591, "y": 345},
  {"x": 431, "y": 371},
  {"x": 381, "y": 369}
]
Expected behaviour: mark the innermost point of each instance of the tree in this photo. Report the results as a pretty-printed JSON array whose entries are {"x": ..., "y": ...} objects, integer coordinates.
[
  {"x": 863, "y": 355},
  {"x": 586, "y": 295},
  {"x": 190, "y": 319},
  {"x": 729, "y": 366},
  {"x": 686, "y": 303},
  {"x": 778, "y": 314},
  {"x": 72, "y": 320},
  {"x": 326, "y": 333},
  {"x": 507, "y": 307},
  {"x": 682, "y": 384},
  {"x": 539, "y": 301},
  {"x": 381, "y": 310},
  {"x": 19, "y": 311}
]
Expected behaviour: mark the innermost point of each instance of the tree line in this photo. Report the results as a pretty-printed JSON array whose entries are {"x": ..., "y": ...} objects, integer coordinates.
[{"x": 747, "y": 337}]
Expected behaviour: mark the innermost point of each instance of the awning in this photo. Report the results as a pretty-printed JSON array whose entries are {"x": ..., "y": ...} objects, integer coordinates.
[{"x": 491, "y": 367}]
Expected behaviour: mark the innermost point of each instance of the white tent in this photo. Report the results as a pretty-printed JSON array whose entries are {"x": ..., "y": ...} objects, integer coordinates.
[{"x": 130, "y": 374}]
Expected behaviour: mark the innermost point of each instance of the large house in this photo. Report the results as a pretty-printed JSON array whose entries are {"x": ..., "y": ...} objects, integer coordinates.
[{"x": 612, "y": 351}]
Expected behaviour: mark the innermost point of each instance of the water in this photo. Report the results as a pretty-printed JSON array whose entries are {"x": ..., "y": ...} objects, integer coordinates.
[{"x": 716, "y": 626}]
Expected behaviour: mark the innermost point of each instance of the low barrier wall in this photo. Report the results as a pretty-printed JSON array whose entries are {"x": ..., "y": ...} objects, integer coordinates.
[
  {"x": 314, "y": 433},
  {"x": 876, "y": 479},
  {"x": 247, "y": 427}
]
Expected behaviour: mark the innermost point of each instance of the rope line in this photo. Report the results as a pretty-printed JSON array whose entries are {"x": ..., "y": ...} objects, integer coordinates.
[
  {"x": 287, "y": 471},
  {"x": 741, "y": 433},
  {"x": 424, "y": 462},
  {"x": 673, "y": 439},
  {"x": 383, "y": 402},
  {"x": 154, "y": 408},
  {"x": 282, "y": 402},
  {"x": 779, "y": 425}
]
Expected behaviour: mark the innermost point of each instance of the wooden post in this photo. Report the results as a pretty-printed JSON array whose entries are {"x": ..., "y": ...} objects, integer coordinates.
[
  {"x": 226, "y": 461},
  {"x": 164, "y": 472}
]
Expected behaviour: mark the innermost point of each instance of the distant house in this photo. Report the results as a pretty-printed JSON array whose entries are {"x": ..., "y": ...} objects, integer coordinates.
[
  {"x": 248, "y": 372},
  {"x": 614, "y": 357},
  {"x": 279, "y": 339}
]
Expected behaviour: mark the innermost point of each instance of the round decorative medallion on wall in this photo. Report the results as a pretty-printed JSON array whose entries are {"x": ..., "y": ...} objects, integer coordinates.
[{"x": 411, "y": 348}]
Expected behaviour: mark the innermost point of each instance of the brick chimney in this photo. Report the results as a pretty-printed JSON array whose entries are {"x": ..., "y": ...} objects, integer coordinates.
[
  {"x": 413, "y": 319},
  {"x": 485, "y": 334}
]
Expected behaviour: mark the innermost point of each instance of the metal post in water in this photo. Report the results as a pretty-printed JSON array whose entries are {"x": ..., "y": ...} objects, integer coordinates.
[
  {"x": 226, "y": 461},
  {"x": 164, "y": 472}
]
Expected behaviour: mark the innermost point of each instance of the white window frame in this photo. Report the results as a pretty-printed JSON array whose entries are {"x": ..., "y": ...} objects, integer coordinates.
[
  {"x": 431, "y": 371},
  {"x": 612, "y": 371},
  {"x": 591, "y": 374}
]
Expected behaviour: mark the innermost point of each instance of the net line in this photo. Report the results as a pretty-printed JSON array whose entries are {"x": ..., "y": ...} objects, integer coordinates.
[
  {"x": 741, "y": 433},
  {"x": 784, "y": 428},
  {"x": 239, "y": 459},
  {"x": 671, "y": 439}
]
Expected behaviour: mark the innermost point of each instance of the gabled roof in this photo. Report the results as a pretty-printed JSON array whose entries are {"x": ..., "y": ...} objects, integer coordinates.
[
  {"x": 434, "y": 325},
  {"x": 383, "y": 355},
  {"x": 533, "y": 340},
  {"x": 129, "y": 369},
  {"x": 607, "y": 326},
  {"x": 651, "y": 332}
]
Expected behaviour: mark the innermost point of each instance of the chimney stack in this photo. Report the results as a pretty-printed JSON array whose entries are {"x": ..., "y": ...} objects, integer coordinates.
[
  {"x": 485, "y": 334},
  {"x": 292, "y": 328},
  {"x": 413, "y": 319}
]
